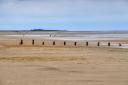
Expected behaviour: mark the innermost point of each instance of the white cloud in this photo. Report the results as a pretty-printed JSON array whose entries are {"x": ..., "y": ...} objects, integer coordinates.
[
  {"x": 61, "y": 7},
  {"x": 63, "y": 11}
]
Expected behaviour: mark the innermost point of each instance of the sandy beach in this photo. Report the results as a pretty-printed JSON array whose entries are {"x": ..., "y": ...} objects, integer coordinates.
[
  {"x": 28, "y": 65},
  {"x": 63, "y": 42}
]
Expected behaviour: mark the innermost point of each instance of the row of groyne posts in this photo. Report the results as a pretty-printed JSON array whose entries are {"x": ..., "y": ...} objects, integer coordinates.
[{"x": 74, "y": 43}]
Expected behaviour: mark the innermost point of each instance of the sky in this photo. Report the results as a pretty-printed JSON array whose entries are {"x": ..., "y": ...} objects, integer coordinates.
[{"x": 75, "y": 15}]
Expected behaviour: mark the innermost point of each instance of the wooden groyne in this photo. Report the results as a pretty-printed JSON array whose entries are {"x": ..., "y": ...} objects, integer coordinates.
[{"x": 59, "y": 43}]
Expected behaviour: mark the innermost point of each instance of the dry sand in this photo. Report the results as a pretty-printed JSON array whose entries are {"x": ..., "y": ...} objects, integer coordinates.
[{"x": 63, "y": 66}]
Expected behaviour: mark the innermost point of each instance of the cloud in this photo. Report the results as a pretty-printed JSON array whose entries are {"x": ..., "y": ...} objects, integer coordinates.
[
  {"x": 63, "y": 11},
  {"x": 60, "y": 7}
]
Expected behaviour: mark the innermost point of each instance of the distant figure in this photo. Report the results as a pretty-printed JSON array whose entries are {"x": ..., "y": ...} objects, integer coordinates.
[{"x": 50, "y": 35}]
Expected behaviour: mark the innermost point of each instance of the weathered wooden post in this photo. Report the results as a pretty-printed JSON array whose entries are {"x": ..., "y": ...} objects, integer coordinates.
[
  {"x": 33, "y": 42},
  {"x": 98, "y": 44},
  {"x": 109, "y": 44},
  {"x": 86, "y": 43},
  {"x": 21, "y": 42},
  {"x": 120, "y": 44},
  {"x": 75, "y": 43},
  {"x": 64, "y": 43},
  {"x": 42, "y": 43},
  {"x": 54, "y": 43}
]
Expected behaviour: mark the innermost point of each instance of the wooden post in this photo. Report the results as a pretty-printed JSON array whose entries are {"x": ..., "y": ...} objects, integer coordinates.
[
  {"x": 109, "y": 44},
  {"x": 64, "y": 43},
  {"x": 120, "y": 44},
  {"x": 75, "y": 43},
  {"x": 98, "y": 44},
  {"x": 86, "y": 43},
  {"x": 21, "y": 42},
  {"x": 42, "y": 43},
  {"x": 54, "y": 43},
  {"x": 33, "y": 42}
]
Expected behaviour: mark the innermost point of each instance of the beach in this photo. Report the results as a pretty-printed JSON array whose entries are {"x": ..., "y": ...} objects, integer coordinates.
[{"x": 71, "y": 65}]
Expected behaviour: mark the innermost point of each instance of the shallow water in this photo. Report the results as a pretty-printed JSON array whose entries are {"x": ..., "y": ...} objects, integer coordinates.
[
  {"x": 124, "y": 47},
  {"x": 75, "y": 37}
]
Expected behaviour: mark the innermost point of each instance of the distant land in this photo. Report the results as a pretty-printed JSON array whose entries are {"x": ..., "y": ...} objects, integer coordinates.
[
  {"x": 32, "y": 30},
  {"x": 86, "y": 32},
  {"x": 45, "y": 30}
]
